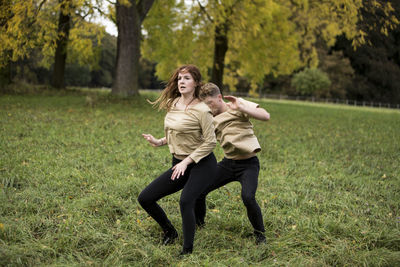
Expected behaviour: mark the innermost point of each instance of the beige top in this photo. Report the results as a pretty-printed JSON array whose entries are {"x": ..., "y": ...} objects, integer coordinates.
[
  {"x": 191, "y": 132},
  {"x": 235, "y": 133}
]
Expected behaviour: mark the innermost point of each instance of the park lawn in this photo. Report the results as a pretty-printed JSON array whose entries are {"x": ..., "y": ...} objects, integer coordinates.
[{"x": 73, "y": 163}]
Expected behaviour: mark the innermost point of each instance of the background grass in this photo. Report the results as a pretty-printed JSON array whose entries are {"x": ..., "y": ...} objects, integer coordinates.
[{"x": 73, "y": 163}]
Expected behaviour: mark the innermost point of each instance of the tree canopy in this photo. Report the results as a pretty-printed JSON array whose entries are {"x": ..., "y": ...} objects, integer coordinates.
[
  {"x": 28, "y": 26},
  {"x": 244, "y": 45},
  {"x": 263, "y": 37}
]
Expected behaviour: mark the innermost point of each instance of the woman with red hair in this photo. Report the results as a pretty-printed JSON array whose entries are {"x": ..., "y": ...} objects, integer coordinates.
[{"x": 189, "y": 134}]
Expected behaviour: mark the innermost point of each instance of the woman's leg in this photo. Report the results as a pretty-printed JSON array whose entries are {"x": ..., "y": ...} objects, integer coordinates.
[
  {"x": 201, "y": 176},
  {"x": 159, "y": 188}
]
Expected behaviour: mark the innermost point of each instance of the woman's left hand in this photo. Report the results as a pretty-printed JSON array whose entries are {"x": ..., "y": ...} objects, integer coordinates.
[{"x": 180, "y": 168}]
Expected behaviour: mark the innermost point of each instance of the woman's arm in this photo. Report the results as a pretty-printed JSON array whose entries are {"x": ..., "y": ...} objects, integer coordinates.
[
  {"x": 180, "y": 168},
  {"x": 203, "y": 150},
  {"x": 208, "y": 131},
  {"x": 153, "y": 141}
]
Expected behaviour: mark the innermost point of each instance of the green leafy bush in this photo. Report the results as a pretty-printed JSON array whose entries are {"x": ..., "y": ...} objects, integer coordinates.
[{"x": 311, "y": 82}]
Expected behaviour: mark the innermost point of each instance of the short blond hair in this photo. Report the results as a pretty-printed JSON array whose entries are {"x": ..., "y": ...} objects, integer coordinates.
[{"x": 209, "y": 89}]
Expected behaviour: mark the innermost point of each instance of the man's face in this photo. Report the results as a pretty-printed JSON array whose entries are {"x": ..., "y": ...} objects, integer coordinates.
[{"x": 214, "y": 103}]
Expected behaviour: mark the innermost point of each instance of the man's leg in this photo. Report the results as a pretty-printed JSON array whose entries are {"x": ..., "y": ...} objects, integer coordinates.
[
  {"x": 223, "y": 176},
  {"x": 247, "y": 173}
]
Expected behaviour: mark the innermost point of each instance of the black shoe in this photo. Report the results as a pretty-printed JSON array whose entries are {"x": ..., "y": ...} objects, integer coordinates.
[
  {"x": 169, "y": 237},
  {"x": 185, "y": 251},
  {"x": 260, "y": 238}
]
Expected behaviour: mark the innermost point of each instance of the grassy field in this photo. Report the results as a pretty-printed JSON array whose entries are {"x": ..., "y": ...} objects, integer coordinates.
[{"x": 73, "y": 163}]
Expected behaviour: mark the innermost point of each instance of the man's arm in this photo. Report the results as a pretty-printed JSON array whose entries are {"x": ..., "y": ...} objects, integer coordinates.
[{"x": 254, "y": 112}]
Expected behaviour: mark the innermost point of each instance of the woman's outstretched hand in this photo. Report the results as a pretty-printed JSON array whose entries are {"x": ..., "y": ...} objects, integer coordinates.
[{"x": 153, "y": 141}]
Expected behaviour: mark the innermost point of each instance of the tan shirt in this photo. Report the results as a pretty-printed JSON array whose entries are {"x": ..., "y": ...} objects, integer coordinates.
[
  {"x": 235, "y": 133},
  {"x": 191, "y": 132}
]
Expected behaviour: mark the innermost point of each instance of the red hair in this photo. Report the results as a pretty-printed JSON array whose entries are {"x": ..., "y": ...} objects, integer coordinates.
[{"x": 171, "y": 91}]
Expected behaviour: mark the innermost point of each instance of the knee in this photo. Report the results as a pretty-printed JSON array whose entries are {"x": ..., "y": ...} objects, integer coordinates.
[
  {"x": 201, "y": 198},
  {"x": 143, "y": 199},
  {"x": 248, "y": 199},
  {"x": 186, "y": 203}
]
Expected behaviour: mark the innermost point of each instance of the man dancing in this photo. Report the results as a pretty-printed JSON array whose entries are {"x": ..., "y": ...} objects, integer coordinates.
[{"x": 235, "y": 133}]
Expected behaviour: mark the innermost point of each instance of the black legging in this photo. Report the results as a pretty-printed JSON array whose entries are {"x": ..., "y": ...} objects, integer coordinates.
[
  {"x": 244, "y": 171},
  {"x": 198, "y": 176}
]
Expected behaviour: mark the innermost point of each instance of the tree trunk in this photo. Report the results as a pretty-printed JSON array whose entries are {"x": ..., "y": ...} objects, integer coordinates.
[
  {"x": 220, "y": 48},
  {"x": 129, "y": 22},
  {"x": 64, "y": 22}
]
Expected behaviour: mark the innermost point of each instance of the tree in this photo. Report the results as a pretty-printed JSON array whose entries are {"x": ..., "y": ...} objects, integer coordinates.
[
  {"x": 221, "y": 29},
  {"x": 103, "y": 75},
  {"x": 240, "y": 30},
  {"x": 171, "y": 40},
  {"x": 340, "y": 72},
  {"x": 256, "y": 38},
  {"x": 48, "y": 26},
  {"x": 129, "y": 19},
  {"x": 64, "y": 25},
  {"x": 377, "y": 62}
]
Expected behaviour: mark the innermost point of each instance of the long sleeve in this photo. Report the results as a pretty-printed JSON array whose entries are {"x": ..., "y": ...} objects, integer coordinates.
[{"x": 207, "y": 127}]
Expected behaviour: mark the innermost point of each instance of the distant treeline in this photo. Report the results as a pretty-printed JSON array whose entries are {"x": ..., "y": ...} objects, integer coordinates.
[
  {"x": 101, "y": 75},
  {"x": 368, "y": 73}
]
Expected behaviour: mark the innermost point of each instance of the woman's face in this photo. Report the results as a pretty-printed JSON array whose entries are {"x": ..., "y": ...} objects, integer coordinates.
[{"x": 186, "y": 83}]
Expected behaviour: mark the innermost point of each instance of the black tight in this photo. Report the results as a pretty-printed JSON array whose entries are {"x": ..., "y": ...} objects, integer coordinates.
[
  {"x": 244, "y": 171},
  {"x": 196, "y": 179}
]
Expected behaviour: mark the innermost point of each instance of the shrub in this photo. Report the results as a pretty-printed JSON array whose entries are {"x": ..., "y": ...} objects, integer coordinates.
[{"x": 310, "y": 81}]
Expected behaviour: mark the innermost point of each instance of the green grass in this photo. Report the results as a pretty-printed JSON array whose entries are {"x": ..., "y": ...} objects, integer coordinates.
[{"x": 73, "y": 163}]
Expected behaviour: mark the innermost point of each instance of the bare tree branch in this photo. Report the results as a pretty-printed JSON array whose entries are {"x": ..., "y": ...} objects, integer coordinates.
[
  {"x": 83, "y": 16},
  {"x": 40, "y": 6},
  {"x": 202, "y": 8},
  {"x": 101, "y": 12},
  {"x": 143, "y": 8},
  {"x": 111, "y": 2},
  {"x": 36, "y": 14}
]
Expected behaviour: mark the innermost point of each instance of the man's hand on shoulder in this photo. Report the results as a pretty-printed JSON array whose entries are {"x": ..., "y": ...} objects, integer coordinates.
[
  {"x": 235, "y": 103},
  {"x": 252, "y": 110}
]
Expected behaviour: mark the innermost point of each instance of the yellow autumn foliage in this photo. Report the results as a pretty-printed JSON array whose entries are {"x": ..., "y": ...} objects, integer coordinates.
[
  {"x": 32, "y": 25},
  {"x": 268, "y": 37}
]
